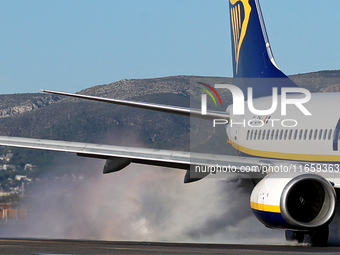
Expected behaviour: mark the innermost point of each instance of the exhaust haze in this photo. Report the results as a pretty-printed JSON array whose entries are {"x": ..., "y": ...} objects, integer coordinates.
[{"x": 140, "y": 203}]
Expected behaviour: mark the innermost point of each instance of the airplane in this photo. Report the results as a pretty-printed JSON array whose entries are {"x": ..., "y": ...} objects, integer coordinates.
[{"x": 293, "y": 158}]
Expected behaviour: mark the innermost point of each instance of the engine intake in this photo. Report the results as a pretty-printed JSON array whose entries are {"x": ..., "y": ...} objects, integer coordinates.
[
  {"x": 308, "y": 201},
  {"x": 297, "y": 202}
]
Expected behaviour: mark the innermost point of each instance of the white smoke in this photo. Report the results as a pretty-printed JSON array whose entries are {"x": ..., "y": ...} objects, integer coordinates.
[{"x": 141, "y": 203}]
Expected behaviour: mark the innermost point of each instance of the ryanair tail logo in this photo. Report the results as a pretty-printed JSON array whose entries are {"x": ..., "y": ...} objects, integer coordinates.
[{"x": 239, "y": 13}]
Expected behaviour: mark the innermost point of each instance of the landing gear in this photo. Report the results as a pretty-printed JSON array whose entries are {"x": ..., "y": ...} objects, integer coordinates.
[
  {"x": 294, "y": 236},
  {"x": 316, "y": 237}
]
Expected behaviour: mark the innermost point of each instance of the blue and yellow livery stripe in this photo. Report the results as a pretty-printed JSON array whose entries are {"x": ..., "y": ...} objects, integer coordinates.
[
  {"x": 271, "y": 219},
  {"x": 269, "y": 215},
  {"x": 287, "y": 156},
  {"x": 252, "y": 56},
  {"x": 265, "y": 208},
  {"x": 239, "y": 27}
]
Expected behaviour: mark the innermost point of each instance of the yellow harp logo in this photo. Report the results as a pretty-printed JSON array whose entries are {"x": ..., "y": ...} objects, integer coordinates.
[{"x": 239, "y": 25}]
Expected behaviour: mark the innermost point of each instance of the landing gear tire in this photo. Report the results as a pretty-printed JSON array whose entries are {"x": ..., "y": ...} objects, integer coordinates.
[
  {"x": 318, "y": 237},
  {"x": 294, "y": 236}
]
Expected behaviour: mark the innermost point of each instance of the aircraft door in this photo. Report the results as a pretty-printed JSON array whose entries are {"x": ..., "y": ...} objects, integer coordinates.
[{"x": 336, "y": 136}]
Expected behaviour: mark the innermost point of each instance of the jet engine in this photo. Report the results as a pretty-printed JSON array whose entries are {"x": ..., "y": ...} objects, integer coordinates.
[{"x": 300, "y": 202}]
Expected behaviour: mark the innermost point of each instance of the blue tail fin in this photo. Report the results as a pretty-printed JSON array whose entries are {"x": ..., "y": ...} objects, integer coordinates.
[{"x": 252, "y": 55}]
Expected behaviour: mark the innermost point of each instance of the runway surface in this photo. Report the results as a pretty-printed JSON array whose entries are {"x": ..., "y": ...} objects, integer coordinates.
[{"x": 40, "y": 247}]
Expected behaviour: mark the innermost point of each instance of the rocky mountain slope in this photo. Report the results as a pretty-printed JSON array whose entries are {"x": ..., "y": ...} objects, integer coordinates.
[{"x": 46, "y": 116}]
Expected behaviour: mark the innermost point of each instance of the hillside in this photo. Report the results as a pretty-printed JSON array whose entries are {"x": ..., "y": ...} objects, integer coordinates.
[{"x": 40, "y": 115}]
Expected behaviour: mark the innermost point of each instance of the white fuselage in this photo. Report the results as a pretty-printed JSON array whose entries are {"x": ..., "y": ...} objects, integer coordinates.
[{"x": 294, "y": 136}]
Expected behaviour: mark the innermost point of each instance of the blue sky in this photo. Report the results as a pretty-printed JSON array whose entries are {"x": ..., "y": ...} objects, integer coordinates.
[{"x": 72, "y": 45}]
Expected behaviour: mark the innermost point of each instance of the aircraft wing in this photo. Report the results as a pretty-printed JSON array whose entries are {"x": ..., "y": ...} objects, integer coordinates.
[
  {"x": 210, "y": 115},
  {"x": 167, "y": 158},
  {"x": 118, "y": 157}
]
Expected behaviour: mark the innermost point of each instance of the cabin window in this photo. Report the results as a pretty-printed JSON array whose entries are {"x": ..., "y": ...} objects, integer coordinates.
[
  {"x": 268, "y": 133},
  {"x": 295, "y": 134},
  {"x": 276, "y": 134},
  {"x": 264, "y": 134},
  {"x": 320, "y": 134},
  {"x": 251, "y": 134},
  {"x": 281, "y": 132},
  {"x": 248, "y": 134},
  {"x": 315, "y": 134},
  {"x": 285, "y": 134},
  {"x": 300, "y": 136},
  {"x": 259, "y": 136},
  {"x": 290, "y": 134},
  {"x": 255, "y": 134},
  {"x": 272, "y": 135},
  {"x": 305, "y": 134},
  {"x": 330, "y": 134},
  {"x": 310, "y": 134},
  {"x": 325, "y": 134}
]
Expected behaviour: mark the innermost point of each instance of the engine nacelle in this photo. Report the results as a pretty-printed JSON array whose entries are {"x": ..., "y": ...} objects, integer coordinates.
[{"x": 299, "y": 202}]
